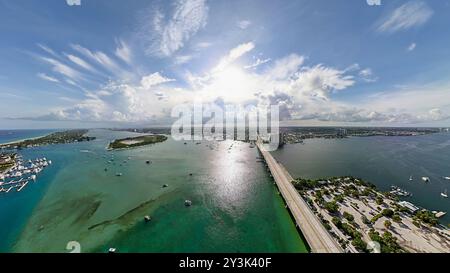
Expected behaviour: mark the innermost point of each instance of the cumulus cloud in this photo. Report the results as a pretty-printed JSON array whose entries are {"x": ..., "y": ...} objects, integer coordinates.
[
  {"x": 411, "y": 14},
  {"x": 304, "y": 92},
  {"x": 154, "y": 79},
  {"x": 167, "y": 33}
]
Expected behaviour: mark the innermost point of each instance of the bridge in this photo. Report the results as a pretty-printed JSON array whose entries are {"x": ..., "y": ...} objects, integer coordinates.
[{"x": 317, "y": 237}]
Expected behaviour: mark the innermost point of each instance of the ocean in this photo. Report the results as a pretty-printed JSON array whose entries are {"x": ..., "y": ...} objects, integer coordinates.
[{"x": 7, "y": 136}]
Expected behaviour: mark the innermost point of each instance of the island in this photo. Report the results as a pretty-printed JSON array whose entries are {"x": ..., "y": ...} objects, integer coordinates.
[
  {"x": 292, "y": 135},
  {"x": 63, "y": 137},
  {"x": 363, "y": 219},
  {"x": 132, "y": 142}
]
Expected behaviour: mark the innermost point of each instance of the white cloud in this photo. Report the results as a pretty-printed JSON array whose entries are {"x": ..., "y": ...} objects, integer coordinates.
[
  {"x": 367, "y": 75},
  {"x": 48, "y": 50},
  {"x": 233, "y": 55},
  {"x": 244, "y": 24},
  {"x": 154, "y": 79},
  {"x": 319, "y": 81},
  {"x": 257, "y": 63},
  {"x": 63, "y": 69},
  {"x": 182, "y": 59},
  {"x": 73, "y": 2},
  {"x": 202, "y": 45},
  {"x": 411, "y": 14},
  {"x": 304, "y": 93},
  {"x": 102, "y": 59},
  {"x": 412, "y": 46},
  {"x": 286, "y": 67},
  {"x": 47, "y": 77},
  {"x": 167, "y": 34},
  {"x": 80, "y": 62},
  {"x": 123, "y": 52}
]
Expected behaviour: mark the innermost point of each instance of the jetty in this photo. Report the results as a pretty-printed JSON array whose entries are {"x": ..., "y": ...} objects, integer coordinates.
[{"x": 317, "y": 237}]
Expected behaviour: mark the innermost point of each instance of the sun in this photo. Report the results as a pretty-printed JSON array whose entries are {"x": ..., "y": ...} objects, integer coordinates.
[{"x": 231, "y": 83}]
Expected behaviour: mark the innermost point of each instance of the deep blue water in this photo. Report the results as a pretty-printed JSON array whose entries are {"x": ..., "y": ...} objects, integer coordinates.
[
  {"x": 384, "y": 161},
  {"x": 14, "y": 135}
]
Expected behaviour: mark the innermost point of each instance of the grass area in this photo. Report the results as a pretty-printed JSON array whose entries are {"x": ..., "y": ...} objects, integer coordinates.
[{"x": 136, "y": 141}]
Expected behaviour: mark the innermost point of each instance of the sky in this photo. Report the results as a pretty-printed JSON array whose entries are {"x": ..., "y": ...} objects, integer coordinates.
[{"x": 98, "y": 63}]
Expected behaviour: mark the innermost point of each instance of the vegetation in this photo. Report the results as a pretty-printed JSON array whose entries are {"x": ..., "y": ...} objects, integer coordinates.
[
  {"x": 427, "y": 217},
  {"x": 387, "y": 224},
  {"x": 348, "y": 216},
  {"x": 359, "y": 244},
  {"x": 68, "y": 136},
  {"x": 387, "y": 242},
  {"x": 136, "y": 141},
  {"x": 332, "y": 207},
  {"x": 379, "y": 200},
  {"x": 396, "y": 218},
  {"x": 339, "y": 198},
  {"x": 375, "y": 218},
  {"x": 387, "y": 213}
]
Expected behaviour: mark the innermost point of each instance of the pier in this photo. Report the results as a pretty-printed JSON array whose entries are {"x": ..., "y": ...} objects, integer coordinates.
[
  {"x": 317, "y": 237},
  {"x": 19, "y": 175}
]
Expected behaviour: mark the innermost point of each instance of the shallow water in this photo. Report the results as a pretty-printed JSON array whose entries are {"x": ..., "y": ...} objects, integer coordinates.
[{"x": 235, "y": 205}]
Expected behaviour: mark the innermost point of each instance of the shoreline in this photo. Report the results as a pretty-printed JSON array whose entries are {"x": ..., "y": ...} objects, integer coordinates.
[{"x": 24, "y": 139}]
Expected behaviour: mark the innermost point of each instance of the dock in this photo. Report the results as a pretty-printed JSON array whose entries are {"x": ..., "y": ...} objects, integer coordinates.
[{"x": 317, "y": 237}]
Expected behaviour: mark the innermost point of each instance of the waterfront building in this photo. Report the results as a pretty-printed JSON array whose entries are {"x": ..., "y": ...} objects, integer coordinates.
[{"x": 411, "y": 207}]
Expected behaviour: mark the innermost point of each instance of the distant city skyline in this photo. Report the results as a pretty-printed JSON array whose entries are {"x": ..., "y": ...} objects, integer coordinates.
[{"x": 68, "y": 63}]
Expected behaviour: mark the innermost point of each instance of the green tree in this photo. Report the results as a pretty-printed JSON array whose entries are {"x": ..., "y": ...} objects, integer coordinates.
[
  {"x": 348, "y": 216},
  {"x": 332, "y": 207},
  {"x": 387, "y": 224},
  {"x": 396, "y": 218},
  {"x": 387, "y": 213}
]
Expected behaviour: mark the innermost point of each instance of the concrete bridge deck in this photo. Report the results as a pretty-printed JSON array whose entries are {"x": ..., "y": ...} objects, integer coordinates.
[{"x": 317, "y": 237}]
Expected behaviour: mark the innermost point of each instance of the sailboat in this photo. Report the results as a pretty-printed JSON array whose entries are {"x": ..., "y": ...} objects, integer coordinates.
[{"x": 444, "y": 194}]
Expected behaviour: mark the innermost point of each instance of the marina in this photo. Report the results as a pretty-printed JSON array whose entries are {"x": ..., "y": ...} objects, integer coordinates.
[
  {"x": 20, "y": 174},
  {"x": 399, "y": 192}
]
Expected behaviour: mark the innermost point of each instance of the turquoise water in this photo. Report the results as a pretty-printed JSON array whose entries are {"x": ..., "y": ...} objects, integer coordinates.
[
  {"x": 14, "y": 135},
  {"x": 384, "y": 161},
  {"x": 235, "y": 204}
]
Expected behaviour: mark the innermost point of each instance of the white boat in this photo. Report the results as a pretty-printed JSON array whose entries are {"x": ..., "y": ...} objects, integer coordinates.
[
  {"x": 411, "y": 178},
  {"x": 444, "y": 194},
  {"x": 425, "y": 179},
  {"x": 447, "y": 177}
]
